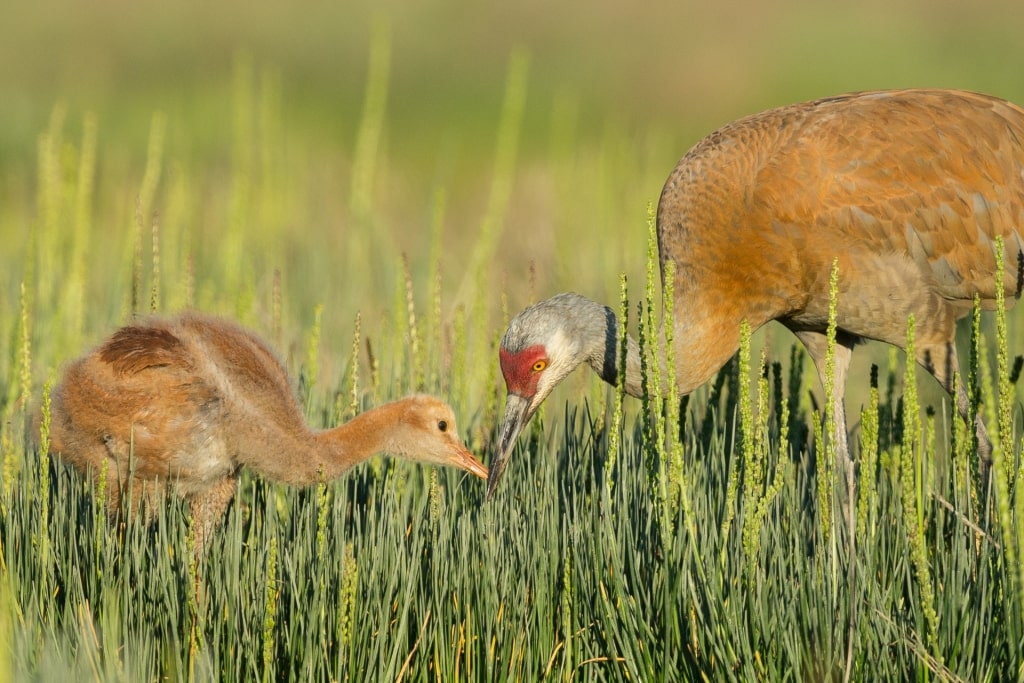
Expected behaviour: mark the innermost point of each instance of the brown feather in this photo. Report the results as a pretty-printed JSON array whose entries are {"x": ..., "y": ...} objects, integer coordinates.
[
  {"x": 133, "y": 349},
  {"x": 906, "y": 190},
  {"x": 185, "y": 402}
]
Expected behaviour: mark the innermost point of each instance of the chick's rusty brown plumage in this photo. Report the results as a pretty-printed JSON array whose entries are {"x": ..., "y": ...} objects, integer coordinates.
[{"x": 185, "y": 402}]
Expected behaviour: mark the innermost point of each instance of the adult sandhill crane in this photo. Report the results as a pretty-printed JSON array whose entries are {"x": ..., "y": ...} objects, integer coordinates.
[
  {"x": 182, "y": 404},
  {"x": 907, "y": 189}
]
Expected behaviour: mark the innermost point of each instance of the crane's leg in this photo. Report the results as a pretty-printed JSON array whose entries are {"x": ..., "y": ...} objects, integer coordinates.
[
  {"x": 941, "y": 361},
  {"x": 817, "y": 347}
]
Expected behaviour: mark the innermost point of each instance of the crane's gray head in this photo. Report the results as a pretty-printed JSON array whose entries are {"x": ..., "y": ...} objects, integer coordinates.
[{"x": 542, "y": 345}]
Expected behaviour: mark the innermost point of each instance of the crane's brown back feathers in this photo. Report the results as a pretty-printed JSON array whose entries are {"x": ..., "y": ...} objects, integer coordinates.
[{"x": 907, "y": 189}]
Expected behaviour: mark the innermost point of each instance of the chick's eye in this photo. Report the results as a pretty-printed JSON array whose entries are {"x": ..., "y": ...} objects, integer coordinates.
[
  {"x": 442, "y": 425},
  {"x": 540, "y": 365}
]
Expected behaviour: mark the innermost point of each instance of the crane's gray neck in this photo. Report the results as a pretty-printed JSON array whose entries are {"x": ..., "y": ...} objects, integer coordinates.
[{"x": 607, "y": 359}]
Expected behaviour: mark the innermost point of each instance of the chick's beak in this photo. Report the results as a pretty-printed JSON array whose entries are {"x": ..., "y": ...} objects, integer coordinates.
[
  {"x": 517, "y": 414},
  {"x": 463, "y": 459}
]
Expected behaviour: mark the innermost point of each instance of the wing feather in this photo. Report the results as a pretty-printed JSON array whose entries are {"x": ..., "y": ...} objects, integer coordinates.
[{"x": 133, "y": 349}]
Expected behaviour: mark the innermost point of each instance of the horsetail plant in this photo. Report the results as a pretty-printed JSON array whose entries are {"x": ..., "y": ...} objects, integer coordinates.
[
  {"x": 43, "y": 538},
  {"x": 749, "y": 472},
  {"x": 435, "y": 328},
  {"x": 45, "y": 233},
  {"x": 868, "y": 458},
  {"x": 459, "y": 383},
  {"x": 271, "y": 591},
  {"x": 964, "y": 472},
  {"x": 988, "y": 402},
  {"x": 371, "y": 124},
  {"x": 567, "y": 610},
  {"x": 912, "y": 496},
  {"x": 353, "y": 363},
  {"x": 25, "y": 351},
  {"x": 615, "y": 435},
  {"x": 243, "y": 109},
  {"x": 826, "y": 464},
  {"x": 312, "y": 365},
  {"x": 678, "y": 486},
  {"x": 758, "y": 492},
  {"x": 1003, "y": 471},
  {"x": 144, "y": 202},
  {"x": 82, "y": 229},
  {"x": 734, "y": 483},
  {"x": 154, "y": 286},
  {"x": 349, "y": 587},
  {"x": 419, "y": 375},
  {"x": 1005, "y": 389},
  {"x": 659, "y": 449}
]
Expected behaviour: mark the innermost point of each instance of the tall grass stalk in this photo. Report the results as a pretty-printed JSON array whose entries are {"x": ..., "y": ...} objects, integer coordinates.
[
  {"x": 42, "y": 544},
  {"x": 45, "y": 239},
  {"x": 827, "y": 457},
  {"x": 74, "y": 298},
  {"x": 460, "y": 382},
  {"x": 974, "y": 395},
  {"x": 989, "y": 396},
  {"x": 371, "y": 125},
  {"x": 144, "y": 205},
  {"x": 273, "y": 202},
  {"x": 154, "y": 288},
  {"x": 1005, "y": 389},
  {"x": 417, "y": 361},
  {"x": 270, "y": 611},
  {"x": 1005, "y": 471},
  {"x": 354, "y": 404},
  {"x": 655, "y": 352},
  {"x": 869, "y": 429},
  {"x": 396, "y": 340},
  {"x": 912, "y": 482},
  {"x": 311, "y": 370},
  {"x": 242, "y": 172},
  {"x": 758, "y": 492},
  {"x": 622, "y": 347},
  {"x": 750, "y": 467},
  {"x": 505, "y": 155},
  {"x": 25, "y": 351},
  {"x": 435, "y": 324},
  {"x": 735, "y": 479},
  {"x": 679, "y": 496}
]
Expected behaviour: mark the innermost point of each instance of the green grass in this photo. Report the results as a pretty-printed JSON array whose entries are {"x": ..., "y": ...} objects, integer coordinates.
[{"x": 380, "y": 249}]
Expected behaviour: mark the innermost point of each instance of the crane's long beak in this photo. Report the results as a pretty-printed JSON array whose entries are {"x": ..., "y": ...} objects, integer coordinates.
[
  {"x": 463, "y": 459},
  {"x": 517, "y": 414}
]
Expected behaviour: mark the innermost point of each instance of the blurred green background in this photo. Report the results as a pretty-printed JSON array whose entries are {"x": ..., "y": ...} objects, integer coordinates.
[{"x": 279, "y": 154}]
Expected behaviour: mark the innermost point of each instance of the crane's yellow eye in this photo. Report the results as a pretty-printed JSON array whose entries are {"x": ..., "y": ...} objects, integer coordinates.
[{"x": 540, "y": 365}]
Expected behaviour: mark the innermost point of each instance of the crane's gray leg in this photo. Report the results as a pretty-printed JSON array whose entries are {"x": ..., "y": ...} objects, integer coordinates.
[
  {"x": 817, "y": 346},
  {"x": 942, "y": 362}
]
